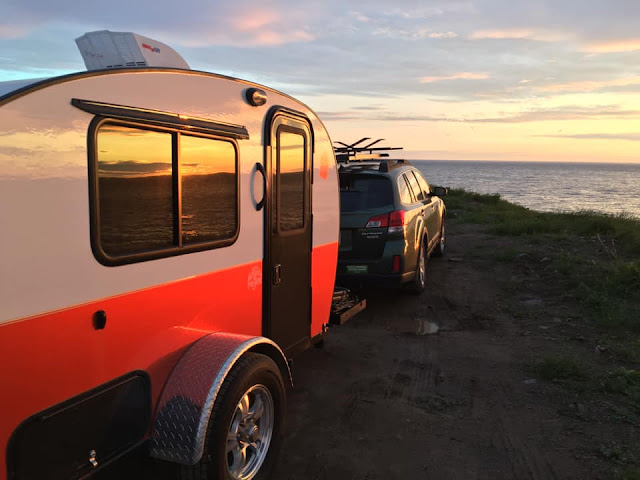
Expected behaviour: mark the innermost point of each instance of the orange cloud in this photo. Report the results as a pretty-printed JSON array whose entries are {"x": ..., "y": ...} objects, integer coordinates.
[
  {"x": 628, "y": 45},
  {"x": 457, "y": 76},
  {"x": 590, "y": 86},
  {"x": 518, "y": 34},
  {"x": 13, "y": 31},
  {"x": 263, "y": 28}
]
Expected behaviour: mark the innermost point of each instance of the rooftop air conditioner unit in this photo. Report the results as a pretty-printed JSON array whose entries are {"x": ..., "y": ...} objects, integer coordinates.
[{"x": 105, "y": 49}]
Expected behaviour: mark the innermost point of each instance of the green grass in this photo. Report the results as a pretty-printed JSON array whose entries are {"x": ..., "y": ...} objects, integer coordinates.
[
  {"x": 624, "y": 382},
  {"x": 624, "y": 349},
  {"x": 587, "y": 265},
  {"x": 596, "y": 254},
  {"x": 507, "y": 255},
  {"x": 557, "y": 368},
  {"x": 630, "y": 473},
  {"x": 611, "y": 295},
  {"x": 618, "y": 232}
]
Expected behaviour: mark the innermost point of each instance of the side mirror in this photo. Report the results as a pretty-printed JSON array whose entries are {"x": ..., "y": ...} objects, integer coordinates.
[{"x": 440, "y": 191}]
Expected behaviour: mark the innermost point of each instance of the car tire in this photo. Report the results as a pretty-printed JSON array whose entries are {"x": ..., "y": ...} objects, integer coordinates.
[
  {"x": 419, "y": 281},
  {"x": 440, "y": 247},
  {"x": 251, "y": 404}
]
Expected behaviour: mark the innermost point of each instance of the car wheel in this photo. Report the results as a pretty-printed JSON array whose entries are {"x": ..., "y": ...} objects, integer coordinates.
[
  {"x": 247, "y": 423},
  {"x": 420, "y": 279},
  {"x": 439, "y": 250}
]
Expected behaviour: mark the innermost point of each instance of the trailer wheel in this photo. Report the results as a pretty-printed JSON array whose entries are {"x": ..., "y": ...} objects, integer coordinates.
[{"x": 247, "y": 423}]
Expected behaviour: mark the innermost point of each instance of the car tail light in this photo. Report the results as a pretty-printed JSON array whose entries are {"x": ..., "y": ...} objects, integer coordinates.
[
  {"x": 396, "y": 264},
  {"x": 378, "y": 221},
  {"x": 396, "y": 221},
  {"x": 393, "y": 220}
]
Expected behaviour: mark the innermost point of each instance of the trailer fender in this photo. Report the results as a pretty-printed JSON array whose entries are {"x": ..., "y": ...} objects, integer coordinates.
[{"x": 184, "y": 410}]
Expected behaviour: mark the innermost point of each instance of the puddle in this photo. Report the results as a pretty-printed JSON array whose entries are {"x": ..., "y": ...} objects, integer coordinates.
[{"x": 426, "y": 327}]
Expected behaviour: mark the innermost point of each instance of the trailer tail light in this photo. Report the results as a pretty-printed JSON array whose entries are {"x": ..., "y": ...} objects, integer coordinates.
[
  {"x": 396, "y": 264},
  {"x": 396, "y": 221}
]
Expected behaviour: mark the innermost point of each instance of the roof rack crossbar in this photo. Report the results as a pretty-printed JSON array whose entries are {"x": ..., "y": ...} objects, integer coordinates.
[{"x": 352, "y": 152}]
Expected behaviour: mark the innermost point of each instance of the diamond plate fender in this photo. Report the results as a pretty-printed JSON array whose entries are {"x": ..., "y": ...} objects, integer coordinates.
[{"x": 187, "y": 400}]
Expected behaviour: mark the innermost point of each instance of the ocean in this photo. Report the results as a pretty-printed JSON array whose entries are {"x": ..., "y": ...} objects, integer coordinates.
[{"x": 612, "y": 188}]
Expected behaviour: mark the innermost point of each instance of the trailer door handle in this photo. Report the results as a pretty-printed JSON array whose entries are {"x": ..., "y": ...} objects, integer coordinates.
[
  {"x": 276, "y": 274},
  {"x": 260, "y": 168}
]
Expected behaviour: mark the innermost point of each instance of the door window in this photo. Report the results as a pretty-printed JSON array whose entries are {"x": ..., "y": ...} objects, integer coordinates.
[
  {"x": 405, "y": 193},
  {"x": 423, "y": 184},
  {"x": 415, "y": 187},
  {"x": 291, "y": 177}
]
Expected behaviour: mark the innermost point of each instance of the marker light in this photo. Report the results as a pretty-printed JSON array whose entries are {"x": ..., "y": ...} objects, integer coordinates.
[{"x": 396, "y": 264}]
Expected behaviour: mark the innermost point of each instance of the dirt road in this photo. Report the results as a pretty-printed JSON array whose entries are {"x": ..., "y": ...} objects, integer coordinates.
[{"x": 382, "y": 400}]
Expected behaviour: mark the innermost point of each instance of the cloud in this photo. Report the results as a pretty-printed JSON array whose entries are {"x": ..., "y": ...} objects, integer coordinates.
[
  {"x": 632, "y": 137},
  {"x": 195, "y": 23},
  {"x": 412, "y": 34},
  {"x": 367, "y": 48},
  {"x": 613, "y": 46},
  {"x": 519, "y": 34},
  {"x": 443, "y": 35},
  {"x": 457, "y": 76},
  {"x": 133, "y": 168},
  {"x": 564, "y": 113},
  {"x": 590, "y": 85},
  {"x": 12, "y": 31}
]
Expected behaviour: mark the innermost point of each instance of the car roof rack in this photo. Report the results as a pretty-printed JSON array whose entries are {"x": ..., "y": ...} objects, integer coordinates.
[{"x": 353, "y": 152}]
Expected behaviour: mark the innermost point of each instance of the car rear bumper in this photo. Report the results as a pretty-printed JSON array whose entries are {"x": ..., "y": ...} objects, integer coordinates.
[{"x": 374, "y": 280}]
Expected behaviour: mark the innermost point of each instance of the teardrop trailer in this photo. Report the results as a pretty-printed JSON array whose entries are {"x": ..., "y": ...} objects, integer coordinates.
[{"x": 170, "y": 240}]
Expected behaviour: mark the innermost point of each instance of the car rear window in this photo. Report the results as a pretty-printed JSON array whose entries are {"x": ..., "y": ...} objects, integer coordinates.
[{"x": 364, "y": 192}]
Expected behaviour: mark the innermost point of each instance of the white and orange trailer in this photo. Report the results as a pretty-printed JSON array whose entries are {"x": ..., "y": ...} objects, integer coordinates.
[{"x": 169, "y": 240}]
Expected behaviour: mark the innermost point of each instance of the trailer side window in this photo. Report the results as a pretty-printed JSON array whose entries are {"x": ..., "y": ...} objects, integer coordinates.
[
  {"x": 135, "y": 194},
  {"x": 160, "y": 192},
  {"x": 209, "y": 209}
]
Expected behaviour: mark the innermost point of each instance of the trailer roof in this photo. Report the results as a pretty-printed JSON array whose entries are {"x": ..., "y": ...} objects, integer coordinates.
[{"x": 13, "y": 85}]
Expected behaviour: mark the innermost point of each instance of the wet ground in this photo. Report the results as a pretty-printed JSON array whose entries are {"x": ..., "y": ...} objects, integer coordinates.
[{"x": 389, "y": 397}]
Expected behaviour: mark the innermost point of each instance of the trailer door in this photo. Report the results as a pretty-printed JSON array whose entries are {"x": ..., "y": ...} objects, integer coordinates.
[{"x": 288, "y": 237}]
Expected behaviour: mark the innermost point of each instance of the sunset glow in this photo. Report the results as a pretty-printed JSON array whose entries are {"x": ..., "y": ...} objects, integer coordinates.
[{"x": 445, "y": 79}]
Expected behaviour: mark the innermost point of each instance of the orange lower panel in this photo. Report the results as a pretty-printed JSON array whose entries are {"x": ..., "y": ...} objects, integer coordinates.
[
  {"x": 323, "y": 275},
  {"x": 49, "y": 358}
]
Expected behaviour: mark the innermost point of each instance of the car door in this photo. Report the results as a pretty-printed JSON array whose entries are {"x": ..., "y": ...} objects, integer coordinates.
[
  {"x": 431, "y": 210},
  {"x": 416, "y": 224}
]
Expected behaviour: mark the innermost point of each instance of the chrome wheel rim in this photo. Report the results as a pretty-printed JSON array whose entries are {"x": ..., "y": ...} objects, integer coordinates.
[
  {"x": 250, "y": 433},
  {"x": 421, "y": 267}
]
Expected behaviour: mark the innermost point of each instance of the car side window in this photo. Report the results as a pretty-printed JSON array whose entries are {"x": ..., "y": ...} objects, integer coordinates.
[
  {"x": 415, "y": 187},
  {"x": 403, "y": 189},
  {"x": 423, "y": 183}
]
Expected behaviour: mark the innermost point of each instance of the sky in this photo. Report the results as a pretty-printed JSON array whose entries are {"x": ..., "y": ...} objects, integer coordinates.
[{"x": 539, "y": 80}]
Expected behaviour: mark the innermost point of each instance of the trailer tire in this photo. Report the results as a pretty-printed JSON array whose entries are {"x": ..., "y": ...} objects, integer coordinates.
[{"x": 251, "y": 405}]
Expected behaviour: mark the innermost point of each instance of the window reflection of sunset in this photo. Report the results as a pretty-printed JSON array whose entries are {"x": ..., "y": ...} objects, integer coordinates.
[
  {"x": 291, "y": 146},
  {"x": 131, "y": 152},
  {"x": 205, "y": 156}
]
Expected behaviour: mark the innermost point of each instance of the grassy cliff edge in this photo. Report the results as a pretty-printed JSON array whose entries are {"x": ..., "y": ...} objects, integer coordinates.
[{"x": 580, "y": 270}]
